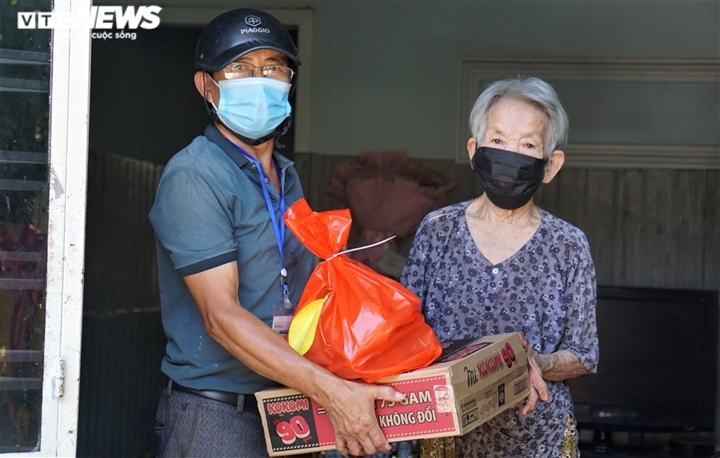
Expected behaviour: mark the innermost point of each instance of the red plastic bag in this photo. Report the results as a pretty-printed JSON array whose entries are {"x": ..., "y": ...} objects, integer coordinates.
[{"x": 370, "y": 326}]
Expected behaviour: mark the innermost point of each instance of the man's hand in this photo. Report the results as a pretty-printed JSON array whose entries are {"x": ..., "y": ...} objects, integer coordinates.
[
  {"x": 537, "y": 386},
  {"x": 351, "y": 410}
]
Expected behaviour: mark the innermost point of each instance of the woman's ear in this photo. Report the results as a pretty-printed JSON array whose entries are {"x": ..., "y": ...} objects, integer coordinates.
[
  {"x": 471, "y": 144},
  {"x": 203, "y": 87},
  {"x": 553, "y": 165}
]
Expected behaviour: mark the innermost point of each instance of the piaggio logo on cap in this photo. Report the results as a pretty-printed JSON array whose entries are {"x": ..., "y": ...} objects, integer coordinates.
[{"x": 253, "y": 21}]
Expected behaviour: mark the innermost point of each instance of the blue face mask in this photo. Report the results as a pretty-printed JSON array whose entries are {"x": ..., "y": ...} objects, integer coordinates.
[{"x": 253, "y": 107}]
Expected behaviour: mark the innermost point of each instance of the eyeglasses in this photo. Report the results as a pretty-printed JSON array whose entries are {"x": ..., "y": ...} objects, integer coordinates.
[{"x": 238, "y": 70}]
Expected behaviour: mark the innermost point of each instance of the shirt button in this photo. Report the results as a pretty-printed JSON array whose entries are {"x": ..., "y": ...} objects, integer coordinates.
[
  {"x": 267, "y": 180},
  {"x": 488, "y": 308},
  {"x": 495, "y": 270}
]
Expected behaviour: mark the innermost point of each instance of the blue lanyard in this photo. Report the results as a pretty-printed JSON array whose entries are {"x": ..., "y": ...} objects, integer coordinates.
[{"x": 278, "y": 226}]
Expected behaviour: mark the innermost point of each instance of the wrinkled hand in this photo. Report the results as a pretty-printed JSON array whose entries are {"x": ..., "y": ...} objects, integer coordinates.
[
  {"x": 537, "y": 386},
  {"x": 351, "y": 412}
]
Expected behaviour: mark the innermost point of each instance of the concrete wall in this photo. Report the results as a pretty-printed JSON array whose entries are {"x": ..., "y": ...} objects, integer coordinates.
[{"x": 385, "y": 74}]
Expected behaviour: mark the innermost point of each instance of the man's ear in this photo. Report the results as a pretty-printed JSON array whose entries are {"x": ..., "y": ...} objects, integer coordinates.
[
  {"x": 553, "y": 165},
  {"x": 203, "y": 86},
  {"x": 471, "y": 147}
]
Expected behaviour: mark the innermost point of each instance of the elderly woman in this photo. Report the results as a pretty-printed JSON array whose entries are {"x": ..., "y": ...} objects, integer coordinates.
[{"x": 499, "y": 264}]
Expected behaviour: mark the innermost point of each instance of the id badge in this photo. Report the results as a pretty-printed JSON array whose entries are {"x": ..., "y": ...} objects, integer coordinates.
[
  {"x": 282, "y": 316},
  {"x": 283, "y": 313}
]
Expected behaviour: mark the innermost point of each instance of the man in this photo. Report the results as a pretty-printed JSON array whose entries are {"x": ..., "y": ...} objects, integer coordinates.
[{"x": 229, "y": 272}]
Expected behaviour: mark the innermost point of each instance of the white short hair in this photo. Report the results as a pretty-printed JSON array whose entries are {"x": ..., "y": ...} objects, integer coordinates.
[{"x": 535, "y": 92}]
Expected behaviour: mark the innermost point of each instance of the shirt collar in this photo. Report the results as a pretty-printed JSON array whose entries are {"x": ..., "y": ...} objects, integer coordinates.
[{"x": 214, "y": 135}]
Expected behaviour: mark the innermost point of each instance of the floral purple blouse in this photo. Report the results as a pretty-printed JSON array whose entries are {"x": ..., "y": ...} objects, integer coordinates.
[{"x": 546, "y": 290}]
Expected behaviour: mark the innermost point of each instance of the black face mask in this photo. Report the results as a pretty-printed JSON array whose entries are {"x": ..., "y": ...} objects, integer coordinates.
[{"x": 510, "y": 179}]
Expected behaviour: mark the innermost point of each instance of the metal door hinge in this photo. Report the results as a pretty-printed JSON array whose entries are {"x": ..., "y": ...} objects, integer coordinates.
[{"x": 58, "y": 378}]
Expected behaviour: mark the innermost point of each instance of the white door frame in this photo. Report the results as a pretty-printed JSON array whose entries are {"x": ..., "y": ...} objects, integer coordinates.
[{"x": 68, "y": 143}]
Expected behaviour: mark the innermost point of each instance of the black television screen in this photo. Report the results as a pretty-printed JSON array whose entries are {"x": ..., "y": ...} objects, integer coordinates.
[{"x": 658, "y": 362}]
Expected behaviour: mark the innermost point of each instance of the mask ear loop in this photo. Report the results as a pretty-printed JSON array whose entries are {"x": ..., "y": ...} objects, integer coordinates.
[
  {"x": 545, "y": 164},
  {"x": 210, "y": 108}
]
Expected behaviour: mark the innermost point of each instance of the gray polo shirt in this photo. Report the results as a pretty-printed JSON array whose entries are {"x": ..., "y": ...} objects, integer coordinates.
[{"x": 209, "y": 210}]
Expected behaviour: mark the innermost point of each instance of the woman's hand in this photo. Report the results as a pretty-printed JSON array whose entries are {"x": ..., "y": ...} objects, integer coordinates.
[
  {"x": 555, "y": 367},
  {"x": 537, "y": 386}
]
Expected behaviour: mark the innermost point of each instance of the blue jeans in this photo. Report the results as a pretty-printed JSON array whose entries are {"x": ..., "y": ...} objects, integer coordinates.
[{"x": 187, "y": 425}]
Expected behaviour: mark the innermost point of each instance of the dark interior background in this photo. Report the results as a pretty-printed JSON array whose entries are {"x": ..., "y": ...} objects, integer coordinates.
[{"x": 143, "y": 99}]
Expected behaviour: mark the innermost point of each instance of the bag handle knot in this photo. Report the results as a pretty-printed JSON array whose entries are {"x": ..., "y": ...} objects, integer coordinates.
[{"x": 361, "y": 247}]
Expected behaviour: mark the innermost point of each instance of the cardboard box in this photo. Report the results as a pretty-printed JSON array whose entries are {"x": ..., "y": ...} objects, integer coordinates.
[{"x": 472, "y": 381}]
